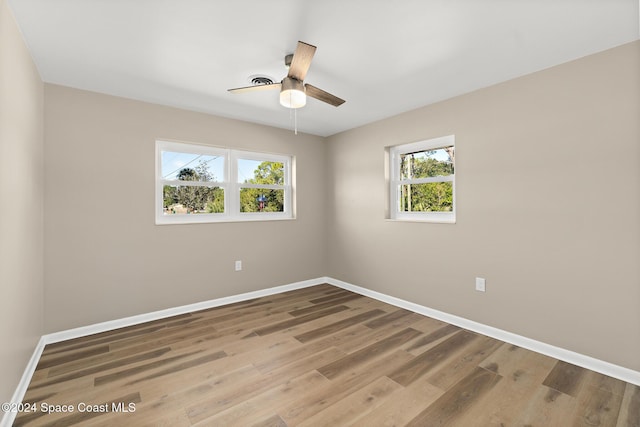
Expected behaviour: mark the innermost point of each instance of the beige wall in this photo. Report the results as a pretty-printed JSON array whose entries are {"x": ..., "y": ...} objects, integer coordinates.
[
  {"x": 548, "y": 189},
  {"x": 104, "y": 256},
  {"x": 21, "y": 192}
]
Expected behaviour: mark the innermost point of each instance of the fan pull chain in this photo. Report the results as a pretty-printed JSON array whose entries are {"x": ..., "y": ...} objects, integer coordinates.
[{"x": 294, "y": 112}]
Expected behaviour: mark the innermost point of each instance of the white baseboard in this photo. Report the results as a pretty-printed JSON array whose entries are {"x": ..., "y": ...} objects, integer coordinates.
[
  {"x": 606, "y": 368},
  {"x": 18, "y": 394}
]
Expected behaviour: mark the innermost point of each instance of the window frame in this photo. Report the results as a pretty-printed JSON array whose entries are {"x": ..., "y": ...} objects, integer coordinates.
[
  {"x": 229, "y": 183},
  {"x": 395, "y": 181}
]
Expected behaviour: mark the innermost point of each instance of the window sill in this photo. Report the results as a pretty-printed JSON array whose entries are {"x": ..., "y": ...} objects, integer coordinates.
[
  {"x": 182, "y": 221},
  {"x": 430, "y": 220}
]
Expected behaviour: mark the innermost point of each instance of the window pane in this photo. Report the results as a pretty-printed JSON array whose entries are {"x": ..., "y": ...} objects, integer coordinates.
[
  {"x": 428, "y": 163},
  {"x": 260, "y": 172},
  {"x": 430, "y": 197},
  {"x": 261, "y": 200},
  {"x": 186, "y": 200},
  {"x": 192, "y": 167}
]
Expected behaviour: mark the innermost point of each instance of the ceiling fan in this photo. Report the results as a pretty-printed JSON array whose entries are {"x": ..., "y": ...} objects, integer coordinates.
[{"x": 293, "y": 90}]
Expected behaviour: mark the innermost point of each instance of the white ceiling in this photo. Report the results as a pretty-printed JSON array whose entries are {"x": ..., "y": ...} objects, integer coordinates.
[{"x": 383, "y": 57}]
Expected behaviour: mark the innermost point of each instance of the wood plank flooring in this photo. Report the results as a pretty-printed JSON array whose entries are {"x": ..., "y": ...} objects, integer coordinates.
[{"x": 319, "y": 356}]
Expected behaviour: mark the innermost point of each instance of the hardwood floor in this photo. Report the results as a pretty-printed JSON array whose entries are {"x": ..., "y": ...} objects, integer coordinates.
[{"x": 319, "y": 356}]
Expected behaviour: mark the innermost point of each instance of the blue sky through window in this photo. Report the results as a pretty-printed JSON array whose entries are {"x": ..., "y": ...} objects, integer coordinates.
[{"x": 174, "y": 162}]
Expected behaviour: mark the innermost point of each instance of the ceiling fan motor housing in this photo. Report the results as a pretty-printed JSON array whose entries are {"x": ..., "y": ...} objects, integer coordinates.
[
  {"x": 288, "y": 59},
  {"x": 292, "y": 93}
]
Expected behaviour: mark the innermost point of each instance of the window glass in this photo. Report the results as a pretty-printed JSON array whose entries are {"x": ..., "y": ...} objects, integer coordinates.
[
  {"x": 426, "y": 197},
  {"x": 261, "y": 200},
  {"x": 422, "y": 180},
  {"x": 198, "y": 183},
  {"x": 192, "y": 167},
  {"x": 187, "y": 200},
  {"x": 428, "y": 163},
  {"x": 260, "y": 172}
]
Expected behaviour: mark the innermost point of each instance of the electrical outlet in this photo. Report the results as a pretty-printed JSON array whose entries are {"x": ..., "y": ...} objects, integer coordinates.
[
  {"x": 238, "y": 265},
  {"x": 480, "y": 284}
]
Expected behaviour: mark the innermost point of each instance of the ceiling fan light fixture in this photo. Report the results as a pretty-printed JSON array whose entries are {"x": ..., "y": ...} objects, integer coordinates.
[{"x": 292, "y": 93}]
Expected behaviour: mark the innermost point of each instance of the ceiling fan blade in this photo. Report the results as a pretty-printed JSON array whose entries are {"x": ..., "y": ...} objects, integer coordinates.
[
  {"x": 255, "y": 88},
  {"x": 301, "y": 61},
  {"x": 323, "y": 96}
]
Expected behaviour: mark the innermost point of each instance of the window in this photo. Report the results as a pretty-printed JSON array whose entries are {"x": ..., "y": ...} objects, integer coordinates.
[
  {"x": 422, "y": 180},
  {"x": 199, "y": 183}
]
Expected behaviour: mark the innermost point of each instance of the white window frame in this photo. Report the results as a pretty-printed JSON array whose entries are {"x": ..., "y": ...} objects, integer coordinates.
[
  {"x": 229, "y": 182},
  {"x": 395, "y": 181}
]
